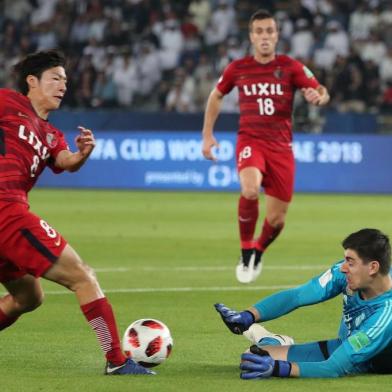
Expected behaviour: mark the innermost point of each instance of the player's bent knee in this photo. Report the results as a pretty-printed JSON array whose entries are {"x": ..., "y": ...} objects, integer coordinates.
[
  {"x": 250, "y": 193},
  {"x": 24, "y": 305},
  {"x": 85, "y": 277},
  {"x": 70, "y": 271},
  {"x": 276, "y": 220},
  {"x": 90, "y": 273}
]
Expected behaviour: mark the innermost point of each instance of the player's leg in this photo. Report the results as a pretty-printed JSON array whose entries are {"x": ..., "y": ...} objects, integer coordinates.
[
  {"x": 279, "y": 186},
  {"x": 275, "y": 217},
  {"x": 313, "y": 352},
  {"x": 250, "y": 166},
  {"x": 248, "y": 213},
  {"x": 30, "y": 245},
  {"x": 258, "y": 334},
  {"x": 307, "y": 352},
  {"x": 276, "y": 211},
  {"x": 24, "y": 295},
  {"x": 71, "y": 272}
]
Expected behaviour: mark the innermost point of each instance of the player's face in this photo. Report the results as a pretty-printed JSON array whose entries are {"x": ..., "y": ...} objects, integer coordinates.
[
  {"x": 358, "y": 273},
  {"x": 264, "y": 37},
  {"x": 49, "y": 90}
]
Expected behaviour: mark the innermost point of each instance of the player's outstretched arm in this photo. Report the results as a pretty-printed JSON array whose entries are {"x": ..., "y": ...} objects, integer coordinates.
[
  {"x": 73, "y": 161},
  {"x": 237, "y": 322},
  {"x": 210, "y": 115}
]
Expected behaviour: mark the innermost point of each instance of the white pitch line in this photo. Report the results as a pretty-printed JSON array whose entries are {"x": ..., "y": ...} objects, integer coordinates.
[
  {"x": 211, "y": 268},
  {"x": 191, "y": 289},
  {"x": 179, "y": 289}
]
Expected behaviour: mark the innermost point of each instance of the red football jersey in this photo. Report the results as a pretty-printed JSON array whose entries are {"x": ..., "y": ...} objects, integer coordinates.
[
  {"x": 266, "y": 93},
  {"x": 27, "y": 145}
]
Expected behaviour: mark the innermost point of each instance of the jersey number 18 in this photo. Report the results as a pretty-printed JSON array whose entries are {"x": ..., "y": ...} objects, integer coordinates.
[{"x": 266, "y": 106}]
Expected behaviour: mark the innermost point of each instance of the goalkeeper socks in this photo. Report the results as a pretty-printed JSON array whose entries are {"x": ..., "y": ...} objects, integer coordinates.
[
  {"x": 248, "y": 213},
  {"x": 6, "y": 321},
  {"x": 99, "y": 315},
  {"x": 268, "y": 235}
]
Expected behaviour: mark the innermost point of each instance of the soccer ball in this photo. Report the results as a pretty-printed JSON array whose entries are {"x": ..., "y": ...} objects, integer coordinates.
[{"x": 148, "y": 342}]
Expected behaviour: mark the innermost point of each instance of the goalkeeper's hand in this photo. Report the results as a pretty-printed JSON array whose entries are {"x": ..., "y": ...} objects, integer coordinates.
[
  {"x": 258, "y": 364},
  {"x": 237, "y": 322}
]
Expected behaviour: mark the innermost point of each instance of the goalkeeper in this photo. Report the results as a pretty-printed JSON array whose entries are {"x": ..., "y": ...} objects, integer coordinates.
[{"x": 364, "y": 342}]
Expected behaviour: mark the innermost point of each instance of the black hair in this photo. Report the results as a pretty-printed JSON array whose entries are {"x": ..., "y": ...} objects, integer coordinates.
[
  {"x": 35, "y": 64},
  {"x": 260, "y": 15},
  {"x": 371, "y": 244}
]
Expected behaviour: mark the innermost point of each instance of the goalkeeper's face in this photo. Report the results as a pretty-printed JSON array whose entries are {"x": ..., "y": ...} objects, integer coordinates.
[
  {"x": 359, "y": 274},
  {"x": 264, "y": 37}
]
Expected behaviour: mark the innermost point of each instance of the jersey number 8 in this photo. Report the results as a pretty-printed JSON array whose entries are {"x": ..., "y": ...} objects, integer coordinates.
[
  {"x": 49, "y": 230},
  {"x": 245, "y": 153}
]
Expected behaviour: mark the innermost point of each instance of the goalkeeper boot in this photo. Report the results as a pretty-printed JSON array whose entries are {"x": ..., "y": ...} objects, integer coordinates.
[
  {"x": 258, "y": 265},
  {"x": 259, "y": 335},
  {"x": 244, "y": 269},
  {"x": 128, "y": 367}
]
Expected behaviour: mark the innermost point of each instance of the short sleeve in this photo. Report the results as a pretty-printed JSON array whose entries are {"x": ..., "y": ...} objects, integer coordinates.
[
  {"x": 60, "y": 146},
  {"x": 302, "y": 76},
  {"x": 226, "y": 81}
]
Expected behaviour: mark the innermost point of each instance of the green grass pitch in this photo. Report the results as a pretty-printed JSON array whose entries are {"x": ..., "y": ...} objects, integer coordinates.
[{"x": 170, "y": 256}]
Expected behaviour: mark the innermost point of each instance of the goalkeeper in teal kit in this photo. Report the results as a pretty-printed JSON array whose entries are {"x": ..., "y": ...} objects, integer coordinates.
[{"x": 364, "y": 342}]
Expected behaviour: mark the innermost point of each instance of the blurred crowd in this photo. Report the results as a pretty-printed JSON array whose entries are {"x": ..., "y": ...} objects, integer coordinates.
[{"x": 167, "y": 54}]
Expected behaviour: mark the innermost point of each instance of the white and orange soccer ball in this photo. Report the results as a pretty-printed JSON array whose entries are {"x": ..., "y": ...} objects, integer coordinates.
[{"x": 148, "y": 342}]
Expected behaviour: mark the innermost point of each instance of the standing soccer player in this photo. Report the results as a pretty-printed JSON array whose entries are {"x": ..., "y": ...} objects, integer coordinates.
[
  {"x": 29, "y": 247},
  {"x": 266, "y": 82}
]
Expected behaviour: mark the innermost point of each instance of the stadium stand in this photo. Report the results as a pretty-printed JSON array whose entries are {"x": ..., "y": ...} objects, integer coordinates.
[{"x": 165, "y": 55}]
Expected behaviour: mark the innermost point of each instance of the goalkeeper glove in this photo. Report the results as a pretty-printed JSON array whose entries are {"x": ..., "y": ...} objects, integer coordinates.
[
  {"x": 258, "y": 364},
  {"x": 237, "y": 322}
]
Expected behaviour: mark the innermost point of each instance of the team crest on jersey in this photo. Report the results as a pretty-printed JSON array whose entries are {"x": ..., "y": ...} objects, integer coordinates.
[
  {"x": 359, "y": 341},
  {"x": 51, "y": 140},
  {"x": 278, "y": 73}
]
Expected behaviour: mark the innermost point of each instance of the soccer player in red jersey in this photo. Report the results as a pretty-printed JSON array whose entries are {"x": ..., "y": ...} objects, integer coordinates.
[
  {"x": 266, "y": 82},
  {"x": 29, "y": 247}
]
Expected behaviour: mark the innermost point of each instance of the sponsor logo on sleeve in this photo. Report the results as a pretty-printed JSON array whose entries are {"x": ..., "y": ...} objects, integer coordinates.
[
  {"x": 308, "y": 72},
  {"x": 359, "y": 341},
  {"x": 325, "y": 278}
]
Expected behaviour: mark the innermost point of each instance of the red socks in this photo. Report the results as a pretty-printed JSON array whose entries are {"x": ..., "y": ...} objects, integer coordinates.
[
  {"x": 6, "y": 321},
  {"x": 248, "y": 213},
  {"x": 99, "y": 315},
  {"x": 267, "y": 235}
]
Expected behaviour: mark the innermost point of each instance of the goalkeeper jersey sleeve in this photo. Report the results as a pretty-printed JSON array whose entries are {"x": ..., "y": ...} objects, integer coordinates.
[
  {"x": 368, "y": 348},
  {"x": 321, "y": 288}
]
